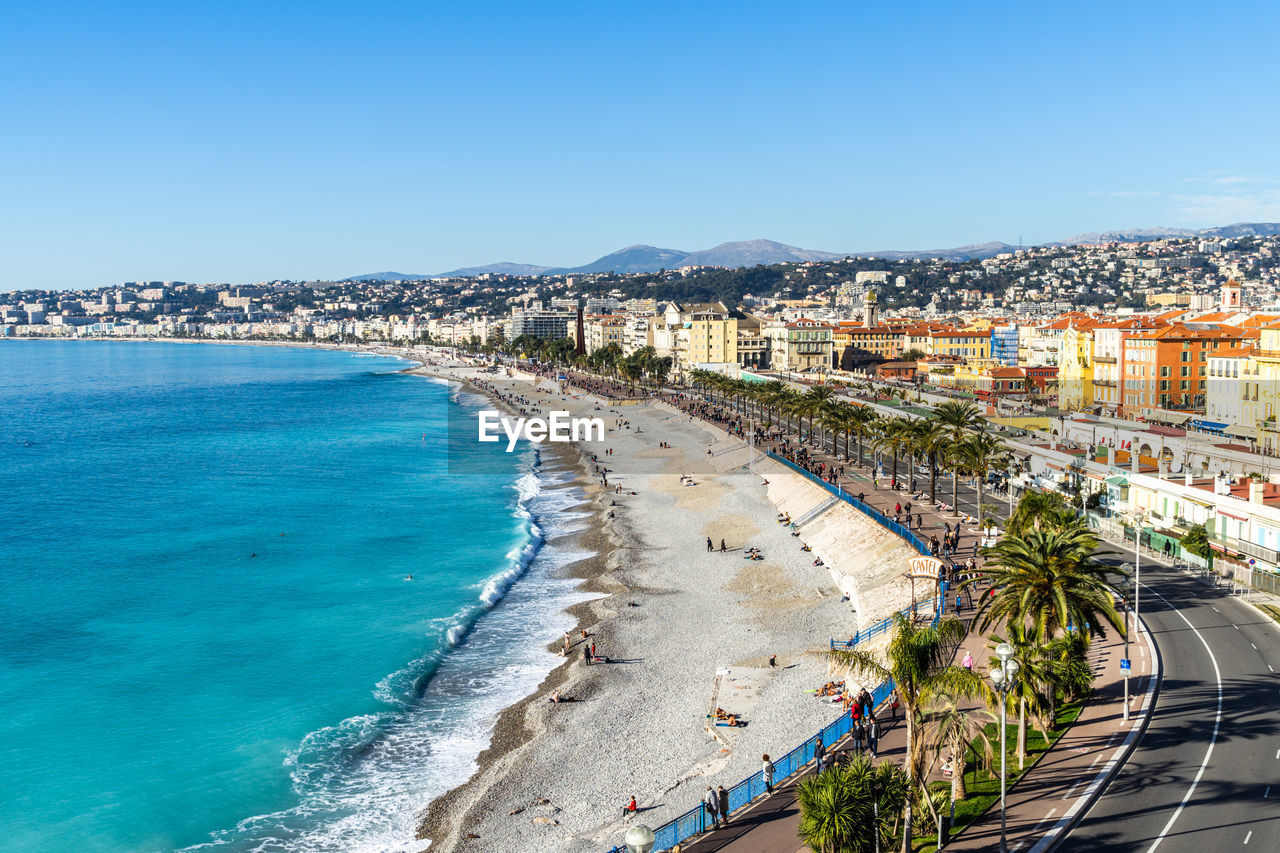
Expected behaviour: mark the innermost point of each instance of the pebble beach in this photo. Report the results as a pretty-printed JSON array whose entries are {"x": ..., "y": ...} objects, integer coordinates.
[{"x": 679, "y": 626}]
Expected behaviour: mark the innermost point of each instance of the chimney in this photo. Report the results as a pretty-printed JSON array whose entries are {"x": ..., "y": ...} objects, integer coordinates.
[{"x": 1256, "y": 490}]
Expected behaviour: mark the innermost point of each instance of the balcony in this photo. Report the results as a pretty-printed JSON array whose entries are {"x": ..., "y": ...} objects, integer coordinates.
[
  {"x": 1104, "y": 359},
  {"x": 1240, "y": 546},
  {"x": 1260, "y": 552}
]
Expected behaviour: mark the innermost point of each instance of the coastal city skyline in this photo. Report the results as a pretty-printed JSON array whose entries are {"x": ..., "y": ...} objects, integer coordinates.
[
  {"x": 639, "y": 428},
  {"x": 245, "y": 144}
]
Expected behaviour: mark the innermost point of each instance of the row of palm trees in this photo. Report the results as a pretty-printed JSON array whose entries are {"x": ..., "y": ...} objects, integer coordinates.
[
  {"x": 641, "y": 364},
  {"x": 953, "y": 436},
  {"x": 1050, "y": 596}
]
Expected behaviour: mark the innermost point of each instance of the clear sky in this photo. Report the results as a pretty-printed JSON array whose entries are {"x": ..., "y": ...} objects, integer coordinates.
[{"x": 243, "y": 141}]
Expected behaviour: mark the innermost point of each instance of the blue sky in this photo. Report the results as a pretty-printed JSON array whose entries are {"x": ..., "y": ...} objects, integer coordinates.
[{"x": 246, "y": 141}]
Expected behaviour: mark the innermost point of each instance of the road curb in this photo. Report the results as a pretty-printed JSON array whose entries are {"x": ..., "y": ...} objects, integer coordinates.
[{"x": 1073, "y": 815}]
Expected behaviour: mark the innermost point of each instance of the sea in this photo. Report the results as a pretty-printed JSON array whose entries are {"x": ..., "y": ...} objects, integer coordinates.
[{"x": 253, "y": 599}]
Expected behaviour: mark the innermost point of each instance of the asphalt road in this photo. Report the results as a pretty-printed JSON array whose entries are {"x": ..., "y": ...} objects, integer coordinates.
[{"x": 1202, "y": 777}]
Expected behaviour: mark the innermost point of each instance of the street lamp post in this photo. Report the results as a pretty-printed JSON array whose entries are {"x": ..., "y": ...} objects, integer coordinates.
[
  {"x": 1126, "y": 583},
  {"x": 1002, "y": 676},
  {"x": 1139, "y": 518}
]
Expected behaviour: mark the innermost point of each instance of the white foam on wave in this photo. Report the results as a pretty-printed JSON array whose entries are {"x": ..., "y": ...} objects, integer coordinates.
[{"x": 362, "y": 784}]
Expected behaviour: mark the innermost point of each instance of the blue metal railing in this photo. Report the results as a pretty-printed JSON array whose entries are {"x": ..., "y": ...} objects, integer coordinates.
[
  {"x": 923, "y": 605},
  {"x": 696, "y": 820}
]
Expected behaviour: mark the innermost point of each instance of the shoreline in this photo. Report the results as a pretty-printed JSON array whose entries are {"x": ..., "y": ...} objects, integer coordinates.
[{"x": 510, "y": 730}]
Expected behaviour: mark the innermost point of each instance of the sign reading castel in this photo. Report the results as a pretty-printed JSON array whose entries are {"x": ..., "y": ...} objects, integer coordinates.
[{"x": 924, "y": 567}]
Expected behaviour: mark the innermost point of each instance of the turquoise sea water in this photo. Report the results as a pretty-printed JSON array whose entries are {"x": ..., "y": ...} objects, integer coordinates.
[{"x": 206, "y": 636}]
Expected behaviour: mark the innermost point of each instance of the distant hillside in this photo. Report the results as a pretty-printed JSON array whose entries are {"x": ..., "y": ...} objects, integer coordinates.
[
  {"x": 385, "y": 276},
  {"x": 633, "y": 259},
  {"x": 750, "y": 253},
  {"x": 1141, "y": 235},
  {"x": 502, "y": 268},
  {"x": 978, "y": 251}
]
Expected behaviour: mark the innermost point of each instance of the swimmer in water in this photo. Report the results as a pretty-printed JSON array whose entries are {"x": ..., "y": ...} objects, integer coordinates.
[{"x": 408, "y": 577}]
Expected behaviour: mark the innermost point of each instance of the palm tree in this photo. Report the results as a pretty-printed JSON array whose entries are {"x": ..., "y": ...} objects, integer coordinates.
[
  {"x": 861, "y": 420},
  {"x": 844, "y": 808},
  {"x": 1034, "y": 685},
  {"x": 959, "y": 729},
  {"x": 1039, "y": 510},
  {"x": 1068, "y": 659},
  {"x": 789, "y": 403},
  {"x": 813, "y": 402},
  {"x": 770, "y": 396},
  {"x": 981, "y": 453},
  {"x": 958, "y": 419},
  {"x": 929, "y": 440},
  {"x": 916, "y": 661},
  {"x": 1048, "y": 580},
  {"x": 894, "y": 437}
]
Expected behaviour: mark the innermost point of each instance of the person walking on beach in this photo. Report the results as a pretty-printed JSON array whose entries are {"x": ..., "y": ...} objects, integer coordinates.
[
  {"x": 586, "y": 656},
  {"x": 710, "y": 547},
  {"x": 723, "y": 796},
  {"x": 767, "y": 771},
  {"x": 722, "y": 548},
  {"x": 712, "y": 804}
]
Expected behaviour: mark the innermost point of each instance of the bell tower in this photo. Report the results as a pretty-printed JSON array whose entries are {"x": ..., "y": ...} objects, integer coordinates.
[
  {"x": 869, "y": 309},
  {"x": 1231, "y": 295}
]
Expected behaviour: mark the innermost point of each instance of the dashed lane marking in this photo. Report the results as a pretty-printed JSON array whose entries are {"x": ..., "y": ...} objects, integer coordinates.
[
  {"x": 1072, "y": 789},
  {"x": 1213, "y": 737},
  {"x": 1247, "y": 836},
  {"x": 1051, "y": 813}
]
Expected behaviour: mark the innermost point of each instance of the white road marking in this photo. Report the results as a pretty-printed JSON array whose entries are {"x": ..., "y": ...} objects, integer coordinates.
[
  {"x": 1237, "y": 627},
  {"x": 1247, "y": 836},
  {"x": 1072, "y": 789},
  {"x": 1213, "y": 738},
  {"x": 1216, "y": 610},
  {"x": 1270, "y": 667},
  {"x": 1266, "y": 795},
  {"x": 1051, "y": 813},
  {"x": 1096, "y": 758},
  {"x": 1255, "y": 648}
]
